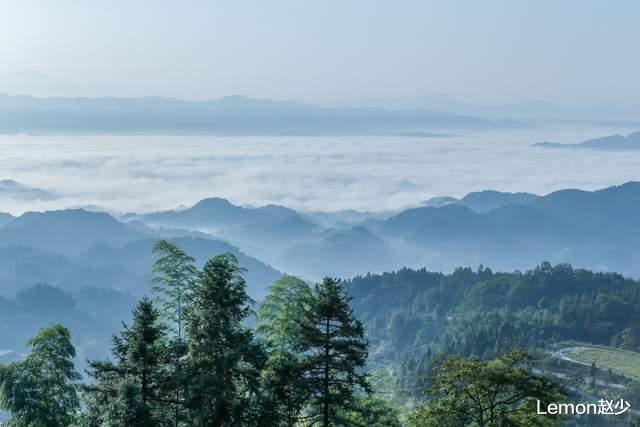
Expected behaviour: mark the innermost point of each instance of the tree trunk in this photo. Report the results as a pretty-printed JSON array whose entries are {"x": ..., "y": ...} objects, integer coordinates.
[{"x": 326, "y": 377}]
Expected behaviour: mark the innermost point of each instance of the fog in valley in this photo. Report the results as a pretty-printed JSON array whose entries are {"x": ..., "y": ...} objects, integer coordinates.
[{"x": 325, "y": 174}]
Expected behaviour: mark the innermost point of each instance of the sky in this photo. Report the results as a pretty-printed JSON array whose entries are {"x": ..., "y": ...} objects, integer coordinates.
[{"x": 574, "y": 51}]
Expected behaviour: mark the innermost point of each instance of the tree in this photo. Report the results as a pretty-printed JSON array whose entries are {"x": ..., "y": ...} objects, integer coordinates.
[
  {"x": 369, "y": 411},
  {"x": 224, "y": 360},
  {"x": 282, "y": 312},
  {"x": 335, "y": 352},
  {"x": 498, "y": 392},
  {"x": 41, "y": 390},
  {"x": 280, "y": 320},
  {"x": 174, "y": 275},
  {"x": 628, "y": 339},
  {"x": 132, "y": 389}
]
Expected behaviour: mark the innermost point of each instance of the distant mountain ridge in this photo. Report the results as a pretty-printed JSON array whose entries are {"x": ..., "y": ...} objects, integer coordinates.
[
  {"x": 66, "y": 232},
  {"x": 609, "y": 143},
  {"x": 483, "y": 201},
  {"x": 529, "y": 110},
  {"x": 595, "y": 229},
  {"x": 598, "y": 229},
  {"x": 233, "y": 115},
  {"x": 72, "y": 248},
  {"x": 214, "y": 210}
]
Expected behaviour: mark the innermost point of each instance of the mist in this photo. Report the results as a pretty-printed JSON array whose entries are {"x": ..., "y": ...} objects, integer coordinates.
[{"x": 145, "y": 173}]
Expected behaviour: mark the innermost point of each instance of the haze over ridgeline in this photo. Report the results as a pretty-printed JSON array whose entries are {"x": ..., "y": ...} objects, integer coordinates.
[
  {"x": 233, "y": 115},
  {"x": 597, "y": 230},
  {"x": 606, "y": 143},
  {"x": 529, "y": 111},
  {"x": 420, "y": 116}
]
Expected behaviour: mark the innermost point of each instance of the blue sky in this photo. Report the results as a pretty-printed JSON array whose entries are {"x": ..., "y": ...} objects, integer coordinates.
[{"x": 577, "y": 52}]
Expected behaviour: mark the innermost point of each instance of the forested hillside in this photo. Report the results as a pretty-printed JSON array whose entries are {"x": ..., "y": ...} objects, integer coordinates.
[
  {"x": 188, "y": 357},
  {"x": 410, "y": 316}
]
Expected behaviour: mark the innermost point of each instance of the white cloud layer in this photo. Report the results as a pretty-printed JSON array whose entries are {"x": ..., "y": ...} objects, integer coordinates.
[{"x": 140, "y": 173}]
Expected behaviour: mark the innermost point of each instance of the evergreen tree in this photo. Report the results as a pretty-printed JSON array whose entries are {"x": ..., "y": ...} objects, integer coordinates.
[
  {"x": 174, "y": 276},
  {"x": 224, "y": 360},
  {"x": 41, "y": 390},
  {"x": 131, "y": 390},
  {"x": 280, "y": 320},
  {"x": 335, "y": 353}
]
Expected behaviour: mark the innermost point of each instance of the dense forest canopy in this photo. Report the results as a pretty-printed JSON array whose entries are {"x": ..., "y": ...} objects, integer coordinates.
[{"x": 410, "y": 313}]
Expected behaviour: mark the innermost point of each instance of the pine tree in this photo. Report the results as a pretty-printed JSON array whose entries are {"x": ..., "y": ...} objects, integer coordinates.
[
  {"x": 41, "y": 390},
  {"x": 131, "y": 390},
  {"x": 335, "y": 352},
  {"x": 280, "y": 320},
  {"x": 224, "y": 360}
]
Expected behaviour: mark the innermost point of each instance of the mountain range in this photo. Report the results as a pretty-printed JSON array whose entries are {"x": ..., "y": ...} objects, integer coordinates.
[
  {"x": 232, "y": 115},
  {"x": 72, "y": 248},
  {"x": 596, "y": 229},
  {"x": 529, "y": 110}
]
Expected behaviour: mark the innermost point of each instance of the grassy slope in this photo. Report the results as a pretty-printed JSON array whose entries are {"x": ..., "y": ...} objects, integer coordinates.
[{"x": 620, "y": 361}]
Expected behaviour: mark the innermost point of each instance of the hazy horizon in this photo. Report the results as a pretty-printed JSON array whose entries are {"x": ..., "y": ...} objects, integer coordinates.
[{"x": 492, "y": 52}]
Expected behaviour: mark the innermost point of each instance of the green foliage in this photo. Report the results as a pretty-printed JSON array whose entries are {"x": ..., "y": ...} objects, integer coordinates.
[
  {"x": 280, "y": 321},
  {"x": 194, "y": 362},
  {"x": 498, "y": 392},
  {"x": 411, "y": 315},
  {"x": 282, "y": 312},
  {"x": 174, "y": 276},
  {"x": 41, "y": 390},
  {"x": 335, "y": 352},
  {"x": 224, "y": 359},
  {"x": 131, "y": 390},
  {"x": 370, "y": 411}
]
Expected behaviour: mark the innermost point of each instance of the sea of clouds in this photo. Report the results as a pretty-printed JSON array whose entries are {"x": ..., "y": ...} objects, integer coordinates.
[{"x": 143, "y": 173}]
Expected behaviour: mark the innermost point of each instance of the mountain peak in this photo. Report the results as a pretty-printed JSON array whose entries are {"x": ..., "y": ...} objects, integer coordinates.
[
  {"x": 65, "y": 231},
  {"x": 213, "y": 203}
]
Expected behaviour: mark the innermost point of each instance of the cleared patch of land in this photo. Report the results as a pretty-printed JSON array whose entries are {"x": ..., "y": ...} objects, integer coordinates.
[{"x": 623, "y": 362}]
